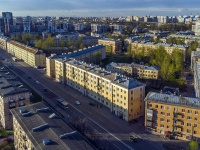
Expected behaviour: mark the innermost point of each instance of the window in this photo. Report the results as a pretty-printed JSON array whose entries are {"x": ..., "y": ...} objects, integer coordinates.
[
  {"x": 167, "y": 126},
  {"x": 163, "y": 107},
  {"x": 196, "y": 112},
  {"x": 188, "y": 131},
  {"x": 162, "y": 119},
  {"x": 168, "y": 108},
  {"x": 195, "y": 119},
  {"x": 189, "y": 124},
  {"x": 195, "y": 132},
  {"x": 168, "y": 120},
  {"x": 189, "y": 111},
  {"x": 131, "y": 92},
  {"x": 162, "y": 113},
  {"x": 189, "y": 118},
  {"x": 183, "y": 110},
  {"x": 156, "y": 106},
  {"x": 195, "y": 125},
  {"x": 162, "y": 126},
  {"x": 168, "y": 114},
  {"x": 131, "y": 98},
  {"x": 182, "y": 123}
]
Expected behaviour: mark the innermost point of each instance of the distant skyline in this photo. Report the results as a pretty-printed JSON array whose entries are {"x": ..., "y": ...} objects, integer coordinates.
[{"x": 100, "y": 8}]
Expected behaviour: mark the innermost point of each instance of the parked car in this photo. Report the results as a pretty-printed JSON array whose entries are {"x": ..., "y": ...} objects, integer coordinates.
[
  {"x": 7, "y": 139},
  {"x": 92, "y": 103},
  {"x": 77, "y": 102}
]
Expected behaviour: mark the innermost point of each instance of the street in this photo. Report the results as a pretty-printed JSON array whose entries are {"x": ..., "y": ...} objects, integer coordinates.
[{"x": 109, "y": 127}]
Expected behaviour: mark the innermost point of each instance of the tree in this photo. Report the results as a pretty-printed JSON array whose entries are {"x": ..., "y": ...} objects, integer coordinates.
[
  {"x": 109, "y": 50},
  {"x": 38, "y": 44},
  {"x": 97, "y": 57},
  {"x": 193, "y": 145}
]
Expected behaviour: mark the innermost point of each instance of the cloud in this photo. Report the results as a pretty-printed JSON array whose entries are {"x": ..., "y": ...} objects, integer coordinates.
[{"x": 97, "y": 7}]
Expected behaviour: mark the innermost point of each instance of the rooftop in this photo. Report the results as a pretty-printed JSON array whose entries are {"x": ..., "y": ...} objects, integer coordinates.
[
  {"x": 9, "y": 85},
  {"x": 77, "y": 53},
  {"x": 25, "y": 47},
  {"x": 117, "y": 79},
  {"x": 108, "y": 39},
  {"x": 46, "y": 130},
  {"x": 173, "y": 100}
]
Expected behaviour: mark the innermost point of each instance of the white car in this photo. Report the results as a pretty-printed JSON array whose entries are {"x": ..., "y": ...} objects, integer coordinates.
[
  {"x": 77, "y": 102},
  {"x": 37, "y": 82}
]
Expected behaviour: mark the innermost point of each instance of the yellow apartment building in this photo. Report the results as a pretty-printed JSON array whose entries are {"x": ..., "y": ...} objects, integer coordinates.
[
  {"x": 172, "y": 115},
  {"x": 29, "y": 55},
  {"x": 134, "y": 69},
  {"x": 123, "y": 96},
  {"x": 82, "y": 55},
  {"x": 116, "y": 45},
  {"x": 152, "y": 45},
  {"x": 12, "y": 94}
]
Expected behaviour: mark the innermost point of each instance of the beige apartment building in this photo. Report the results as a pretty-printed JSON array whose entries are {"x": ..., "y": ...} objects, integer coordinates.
[
  {"x": 134, "y": 69},
  {"x": 115, "y": 45},
  {"x": 82, "y": 55},
  {"x": 37, "y": 127},
  {"x": 151, "y": 45},
  {"x": 12, "y": 94},
  {"x": 172, "y": 115},
  {"x": 29, "y": 55},
  {"x": 3, "y": 42},
  {"x": 123, "y": 96}
]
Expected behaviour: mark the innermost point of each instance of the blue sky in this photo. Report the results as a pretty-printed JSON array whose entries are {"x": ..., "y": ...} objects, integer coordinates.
[{"x": 115, "y": 8}]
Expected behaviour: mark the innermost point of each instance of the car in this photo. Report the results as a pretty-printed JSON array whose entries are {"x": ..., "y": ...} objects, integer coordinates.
[
  {"x": 77, "y": 102},
  {"x": 92, "y": 103},
  {"x": 7, "y": 139},
  {"x": 37, "y": 82}
]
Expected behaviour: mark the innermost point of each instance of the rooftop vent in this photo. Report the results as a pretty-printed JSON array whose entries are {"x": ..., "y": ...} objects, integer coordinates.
[
  {"x": 53, "y": 116},
  {"x": 43, "y": 109},
  {"x": 40, "y": 127},
  {"x": 26, "y": 114},
  {"x": 66, "y": 134},
  {"x": 23, "y": 111},
  {"x": 47, "y": 141}
]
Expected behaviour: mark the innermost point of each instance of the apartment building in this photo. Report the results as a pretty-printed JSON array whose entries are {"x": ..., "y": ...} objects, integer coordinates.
[
  {"x": 37, "y": 127},
  {"x": 12, "y": 94},
  {"x": 152, "y": 45},
  {"x": 172, "y": 115},
  {"x": 3, "y": 42},
  {"x": 115, "y": 45},
  {"x": 29, "y": 55},
  {"x": 82, "y": 55},
  {"x": 123, "y": 96},
  {"x": 196, "y": 28},
  {"x": 135, "y": 70},
  {"x": 195, "y": 66}
]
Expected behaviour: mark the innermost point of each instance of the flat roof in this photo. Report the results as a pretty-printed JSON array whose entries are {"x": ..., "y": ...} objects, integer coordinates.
[
  {"x": 78, "y": 53},
  {"x": 173, "y": 100},
  {"x": 55, "y": 127},
  {"x": 117, "y": 79},
  {"x": 9, "y": 85}
]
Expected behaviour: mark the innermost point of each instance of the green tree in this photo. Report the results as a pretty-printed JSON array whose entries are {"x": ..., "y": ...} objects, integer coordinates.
[
  {"x": 193, "y": 145},
  {"x": 109, "y": 50},
  {"x": 38, "y": 44}
]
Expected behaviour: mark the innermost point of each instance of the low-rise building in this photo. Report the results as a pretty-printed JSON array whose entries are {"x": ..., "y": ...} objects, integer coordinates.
[
  {"x": 136, "y": 46},
  {"x": 12, "y": 94},
  {"x": 37, "y": 127},
  {"x": 135, "y": 70},
  {"x": 82, "y": 55},
  {"x": 29, "y": 55},
  {"x": 115, "y": 45},
  {"x": 123, "y": 96},
  {"x": 172, "y": 115}
]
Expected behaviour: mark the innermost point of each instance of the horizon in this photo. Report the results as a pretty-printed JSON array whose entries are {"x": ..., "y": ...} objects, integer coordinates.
[{"x": 103, "y": 8}]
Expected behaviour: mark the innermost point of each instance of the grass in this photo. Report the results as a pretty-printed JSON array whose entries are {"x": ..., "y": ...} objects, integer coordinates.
[{"x": 5, "y": 133}]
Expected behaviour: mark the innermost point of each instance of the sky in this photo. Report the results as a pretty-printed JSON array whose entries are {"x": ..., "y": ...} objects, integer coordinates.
[{"x": 100, "y": 8}]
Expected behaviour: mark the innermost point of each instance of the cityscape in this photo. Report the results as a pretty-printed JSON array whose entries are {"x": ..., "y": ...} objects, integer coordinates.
[{"x": 101, "y": 82}]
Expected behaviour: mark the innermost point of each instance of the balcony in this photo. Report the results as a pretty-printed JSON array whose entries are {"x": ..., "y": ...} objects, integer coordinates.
[{"x": 178, "y": 115}]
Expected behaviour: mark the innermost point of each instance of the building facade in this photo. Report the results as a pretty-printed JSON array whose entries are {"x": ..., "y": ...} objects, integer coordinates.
[
  {"x": 196, "y": 28},
  {"x": 7, "y": 22},
  {"x": 3, "y": 42},
  {"x": 123, "y": 96},
  {"x": 29, "y": 55},
  {"x": 135, "y": 70},
  {"x": 82, "y": 55},
  {"x": 37, "y": 127},
  {"x": 12, "y": 94},
  {"x": 172, "y": 115},
  {"x": 115, "y": 46}
]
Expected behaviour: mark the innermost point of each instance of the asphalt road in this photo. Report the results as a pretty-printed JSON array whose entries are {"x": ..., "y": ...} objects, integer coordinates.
[{"x": 111, "y": 130}]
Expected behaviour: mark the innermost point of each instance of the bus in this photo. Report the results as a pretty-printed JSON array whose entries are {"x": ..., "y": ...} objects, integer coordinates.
[{"x": 62, "y": 103}]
